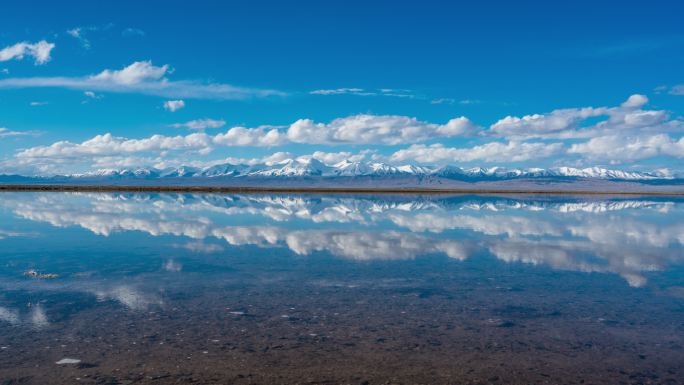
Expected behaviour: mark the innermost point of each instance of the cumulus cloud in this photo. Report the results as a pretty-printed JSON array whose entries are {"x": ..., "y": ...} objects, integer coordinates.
[
  {"x": 568, "y": 123},
  {"x": 617, "y": 148},
  {"x": 200, "y": 124},
  {"x": 635, "y": 101},
  {"x": 141, "y": 77},
  {"x": 355, "y": 129},
  {"x": 108, "y": 150},
  {"x": 109, "y": 144},
  {"x": 242, "y": 136},
  {"x": 489, "y": 152},
  {"x": 376, "y": 129},
  {"x": 538, "y": 125},
  {"x": 135, "y": 73},
  {"x": 627, "y": 132},
  {"x": 40, "y": 52},
  {"x": 174, "y": 105},
  {"x": 331, "y": 158},
  {"x": 273, "y": 158}
]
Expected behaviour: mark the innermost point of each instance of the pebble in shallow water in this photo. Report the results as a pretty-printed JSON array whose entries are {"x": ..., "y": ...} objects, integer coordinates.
[{"x": 68, "y": 361}]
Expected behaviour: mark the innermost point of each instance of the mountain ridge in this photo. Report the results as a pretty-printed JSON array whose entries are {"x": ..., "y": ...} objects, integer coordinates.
[{"x": 315, "y": 168}]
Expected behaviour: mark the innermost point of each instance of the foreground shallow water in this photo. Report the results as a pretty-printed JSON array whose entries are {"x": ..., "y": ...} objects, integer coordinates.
[{"x": 210, "y": 288}]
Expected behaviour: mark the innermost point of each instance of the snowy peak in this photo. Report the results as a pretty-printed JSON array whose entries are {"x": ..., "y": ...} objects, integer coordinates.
[
  {"x": 602, "y": 173},
  {"x": 294, "y": 167},
  {"x": 180, "y": 172},
  {"x": 349, "y": 168},
  {"x": 310, "y": 167}
]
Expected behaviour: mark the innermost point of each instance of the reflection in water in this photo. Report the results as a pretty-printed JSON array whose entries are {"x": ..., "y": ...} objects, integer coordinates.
[
  {"x": 170, "y": 273},
  {"x": 623, "y": 236}
]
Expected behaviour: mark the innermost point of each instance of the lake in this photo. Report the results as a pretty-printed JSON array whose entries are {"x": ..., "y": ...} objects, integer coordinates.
[{"x": 123, "y": 288}]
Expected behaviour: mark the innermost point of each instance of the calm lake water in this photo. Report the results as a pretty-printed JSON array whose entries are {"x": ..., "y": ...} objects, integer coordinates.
[{"x": 208, "y": 288}]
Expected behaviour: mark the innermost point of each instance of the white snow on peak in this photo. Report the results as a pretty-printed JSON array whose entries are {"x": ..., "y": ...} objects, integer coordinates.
[{"x": 310, "y": 167}]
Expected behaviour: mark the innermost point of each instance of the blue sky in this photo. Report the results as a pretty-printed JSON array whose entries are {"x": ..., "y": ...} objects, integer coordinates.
[{"x": 523, "y": 85}]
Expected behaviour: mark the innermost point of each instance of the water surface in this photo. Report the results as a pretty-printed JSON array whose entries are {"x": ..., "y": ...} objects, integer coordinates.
[{"x": 213, "y": 288}]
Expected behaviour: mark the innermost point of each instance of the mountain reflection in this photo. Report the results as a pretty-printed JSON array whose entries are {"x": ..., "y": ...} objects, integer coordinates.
[{"x": 625, "y": 236}]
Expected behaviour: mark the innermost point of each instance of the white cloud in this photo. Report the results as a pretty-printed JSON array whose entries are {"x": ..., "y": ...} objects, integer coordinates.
[
  {"x": 489, "y": 152},
  {"x": 627, "y": 132},
  {"x": 92, "y": 95},
  {"x": 6, "y": 132},
  {"x": 331, "y": 158},
  {"x": 174, "y": 105},
  {"x": 391, "y": 92},
  {"x": 144, "y": 78},
  {"x": 200, "y": 124},
  {"x": 108, "y": 144},
  {"x": 376, "y": 129},
  {"x": 443, "y": 101},
  {"x": 38, "y": 104},
  {"x": 40, "y": 52},
  {"x": 567, "y": 123},
  {"x": 635, "y": 101},
  {"x": 677, "y": 90},
  {"x": 618, "y": 148},
  {"x": 539, "y": 125},
  {"x": 242, "y": 136},
  {"x": 132, "y": 32},
  {"x": 356, "y": 129},
  {"x": 273, "y": 158},
  {"x": 135, "y": 73},
  {"x": 77, "y": 33},
  {"x": 342, "y": 91}
]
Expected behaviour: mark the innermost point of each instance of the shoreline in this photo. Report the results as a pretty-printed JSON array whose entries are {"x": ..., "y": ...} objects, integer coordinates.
[{"x": 312, "y": 190}]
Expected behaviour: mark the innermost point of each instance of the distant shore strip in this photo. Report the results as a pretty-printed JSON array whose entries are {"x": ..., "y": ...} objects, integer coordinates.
[{"x": 312, "y": 190}]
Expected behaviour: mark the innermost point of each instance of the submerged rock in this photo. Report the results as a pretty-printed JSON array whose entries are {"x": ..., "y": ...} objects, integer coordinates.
[{"x": 68, "y": 361}]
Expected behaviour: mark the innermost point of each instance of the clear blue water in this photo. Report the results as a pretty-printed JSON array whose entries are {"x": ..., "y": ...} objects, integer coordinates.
[{"x": 211, "y": 288}]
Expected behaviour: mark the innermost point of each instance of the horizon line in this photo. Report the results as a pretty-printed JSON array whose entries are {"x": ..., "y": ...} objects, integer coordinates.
[{"x": 316, "y": 190}]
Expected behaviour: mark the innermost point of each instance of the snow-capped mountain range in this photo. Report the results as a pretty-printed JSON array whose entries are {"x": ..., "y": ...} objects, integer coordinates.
[{"x": 314, "y": 168}]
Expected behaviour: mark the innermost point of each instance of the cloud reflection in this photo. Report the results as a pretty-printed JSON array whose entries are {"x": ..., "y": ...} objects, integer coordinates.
[{"x": 628, "y": 237}]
